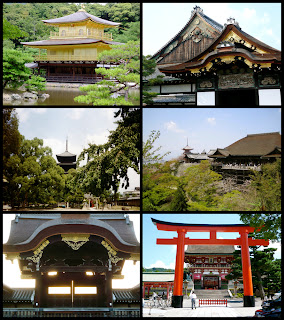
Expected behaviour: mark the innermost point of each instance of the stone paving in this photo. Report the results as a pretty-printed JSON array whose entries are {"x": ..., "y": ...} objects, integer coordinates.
[{"x": 235, "y": 309}]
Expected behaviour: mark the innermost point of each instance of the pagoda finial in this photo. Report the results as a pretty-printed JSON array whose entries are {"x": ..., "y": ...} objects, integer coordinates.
[
  {"x": 67, "y": 143},
  {"x": 82, "y": 7}
]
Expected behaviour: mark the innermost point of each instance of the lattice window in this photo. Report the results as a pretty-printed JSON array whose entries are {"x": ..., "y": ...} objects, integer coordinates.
[{"x": 81, "y": 32}]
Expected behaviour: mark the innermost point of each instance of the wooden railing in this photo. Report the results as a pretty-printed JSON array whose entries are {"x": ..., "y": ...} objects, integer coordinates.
[
  {"x": 76, "y": 78},
  {"x": 213, "y": 302},
  {"x": 75, "y": 313},
  {"x": 92, "y": 57},
  {"x": 100, "y": 35}
]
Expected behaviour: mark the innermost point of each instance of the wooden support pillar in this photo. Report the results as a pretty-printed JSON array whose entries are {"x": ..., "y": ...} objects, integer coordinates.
[
  {"x": 73, "y": 72},
  {"x": 177, "y": 299},
  {"x": 247, "y": 276},
  {"x": 109, "y": 300}
]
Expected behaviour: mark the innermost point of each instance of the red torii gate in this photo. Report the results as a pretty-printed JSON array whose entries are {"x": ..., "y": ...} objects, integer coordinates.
[{"x": 244, "y": 241}]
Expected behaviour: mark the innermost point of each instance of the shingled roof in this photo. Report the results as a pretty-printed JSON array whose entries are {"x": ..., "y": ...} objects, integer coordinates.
[
  {"x": 259, "y": 144},
  {"x": 81, "y": 15},
  {"x": 255, "y": 144}
]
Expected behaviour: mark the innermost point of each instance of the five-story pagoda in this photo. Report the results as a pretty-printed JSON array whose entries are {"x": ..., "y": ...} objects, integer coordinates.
[{"x": 71, "y": 54}]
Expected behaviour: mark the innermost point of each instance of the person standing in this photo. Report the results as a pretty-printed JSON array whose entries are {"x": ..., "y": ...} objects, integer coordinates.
[{"x": 193, "y": 298}]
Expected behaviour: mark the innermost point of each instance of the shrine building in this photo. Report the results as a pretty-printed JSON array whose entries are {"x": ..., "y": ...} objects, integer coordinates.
[
  {"x": 224, "y": 65},
  {"x": 208, "y": 265},
  {"x": 73, "y": 258},
  {"x": 66, "y": 160},
  {"x": 71, "y": 53}
]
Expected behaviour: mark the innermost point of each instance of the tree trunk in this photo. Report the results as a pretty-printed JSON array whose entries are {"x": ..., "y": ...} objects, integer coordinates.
[{"x": 260, "y": 286}]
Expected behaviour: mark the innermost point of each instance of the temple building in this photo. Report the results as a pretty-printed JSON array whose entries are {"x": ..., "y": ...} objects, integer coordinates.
[
  {"x": 190, "y": 157},
  {"x": 66, "y": 160},
  {"x": 73, "y": 258},
  {"x": 208, "y": 63},
  {"x": 208, "y": 265},
  {"x": 254, "y": 149},
  {"x": 238, "y": 159},
  {"x": 71, "y": 53}
]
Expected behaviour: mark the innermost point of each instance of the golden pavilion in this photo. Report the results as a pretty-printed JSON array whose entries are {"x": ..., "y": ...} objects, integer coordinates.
[{"x": 71, "y": 53}]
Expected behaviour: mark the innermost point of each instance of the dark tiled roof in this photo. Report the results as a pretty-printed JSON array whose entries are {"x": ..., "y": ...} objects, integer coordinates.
[
  {"x": 212, "y": 22},
  {"x": 81, "y": 16},
  {"x": 174, "y": 98},
  {"x": 25, "y": 295},
  {"x": 29, "y": 225},
  {"x": 255, "y": 144},
  {"x": 68, "y": 41},
  {"x": 126, "y": 295},
  {"x": 19, "y": 295},
  {"x": 199, "y": 249},
  {"x": 66, "y": 154}
]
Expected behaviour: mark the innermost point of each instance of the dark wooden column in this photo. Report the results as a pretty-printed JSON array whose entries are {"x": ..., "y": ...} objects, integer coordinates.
[
  {"x": 38, "y": 299},
  {"x": 109, "y": 289}
]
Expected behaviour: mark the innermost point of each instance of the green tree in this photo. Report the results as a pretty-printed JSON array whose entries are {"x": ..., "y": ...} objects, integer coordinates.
[
  {"x": 33, "y": 175},
  {"x": 12, "y": 32},
  {"x": 268, "y": 225},
  {"x": 125, "y": 75},
  {"x": 108, "y": 164},
  {"x": 200, "y": 185},
  {"x": 263, "y": 268},
  {"x": 149, "y": 68},
  {"x": 268, "y": 186},
  {"x": 14, "y": 71},
  {"x": 11, "y": 134},
  {"x": 179, "y": 202},
  {"x": 36, "y": 83}
]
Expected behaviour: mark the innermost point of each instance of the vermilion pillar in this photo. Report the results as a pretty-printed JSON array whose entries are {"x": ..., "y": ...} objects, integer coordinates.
[
  {"x": 177, "y": 298},
  {"x": 247, "y": 276}
]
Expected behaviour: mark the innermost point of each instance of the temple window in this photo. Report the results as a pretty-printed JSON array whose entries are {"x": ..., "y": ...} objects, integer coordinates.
[
  {"x": 85, "y": 290},
  {"x": 81, "y": 32},
  {"x": 63, "y": 33},
  {"x": 59, "y": 290}
]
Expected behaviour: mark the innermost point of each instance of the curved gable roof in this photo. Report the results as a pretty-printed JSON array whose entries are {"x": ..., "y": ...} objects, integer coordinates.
[
  {"x": 213, "y": 24},
  {"x": 81, "y": 16},
  {"x": 27, "y": 234},
  {"x": 267, "y": 53}
]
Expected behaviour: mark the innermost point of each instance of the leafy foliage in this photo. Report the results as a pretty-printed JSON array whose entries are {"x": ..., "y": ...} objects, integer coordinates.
[
  {"x": 266, "y": 272},
  {"x": 108, "y": 164},
  {"x": 14, "y": 71},
  {"x": 36, "y": 83},
  {"x": 125, "y": 75},
  {"x": 27, "y": 18},
  {"x": 33, "y": 175},
  {"x": 204, "y": 189},
  {"x": 269, "y": 224}
]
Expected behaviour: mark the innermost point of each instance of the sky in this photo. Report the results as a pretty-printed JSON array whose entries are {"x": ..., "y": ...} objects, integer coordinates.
[
  {"x": 81, "y": 125},
  {"x": 162, "y": 21},
  {"x": 11, "y": 272},
  {"x": 163, "y": 256},
  {"x": 206, "y": 128}
]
